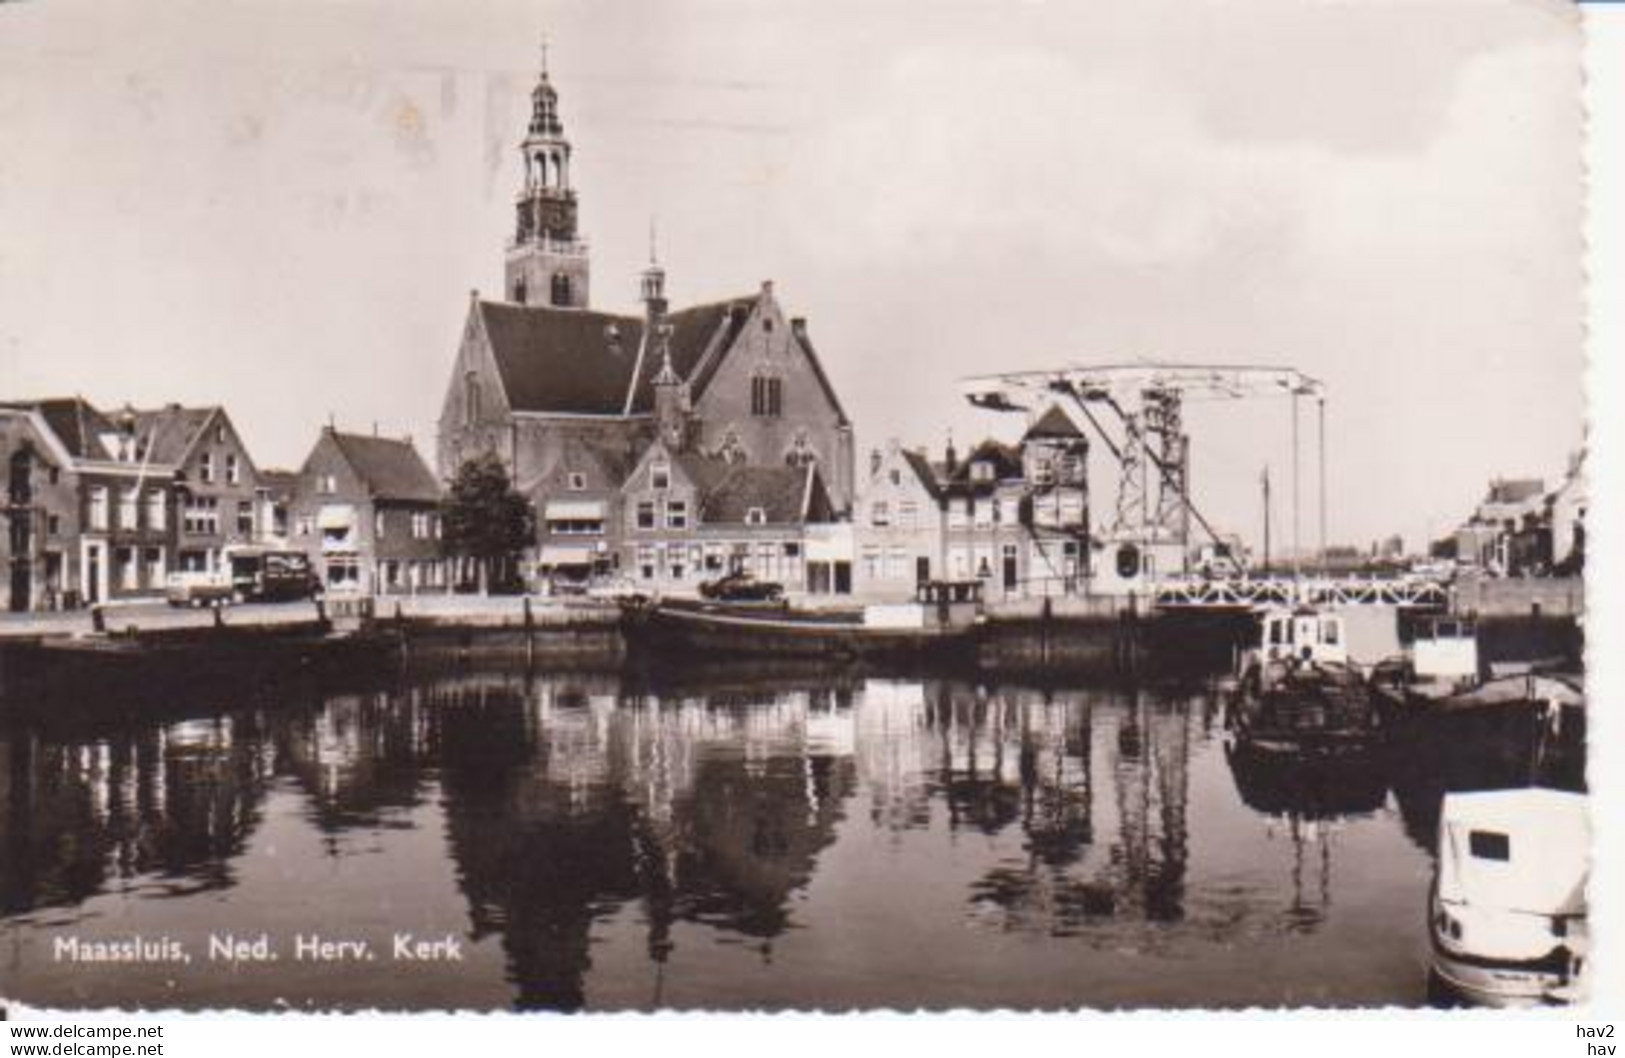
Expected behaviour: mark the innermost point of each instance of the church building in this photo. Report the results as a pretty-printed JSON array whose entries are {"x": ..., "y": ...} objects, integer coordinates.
[{"x": 572, "y": 398}]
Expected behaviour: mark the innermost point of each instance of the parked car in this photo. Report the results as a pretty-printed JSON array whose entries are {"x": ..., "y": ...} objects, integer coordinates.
[
  {"x": 741, "y": 586},
  {"x": 198, "y": 588}
]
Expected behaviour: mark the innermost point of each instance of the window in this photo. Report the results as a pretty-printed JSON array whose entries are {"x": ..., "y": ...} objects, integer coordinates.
[
  {"x": 578, "y": 481},
  {"x": 53, "y": 475},
  {"x": 129, "y": 505},
  {"x": 575, "y": 526},
  {"x": 201, "y": 515},
  {"x": 908, "y": 514},
  {"x": 205, "y": 468},
  {"x": 981, "y": 470},
  {"x": 219, "y": 433},
  {"x": 328, "y": 484},
  {"x": 646, "y": 514},
  {"x": 245, "y": 518},
  {"x": 156, "y": 513},
  {"x": 53, "y": 525},
  {"x": 676, "y": 514},
  {"x": 766, "y": 397},
  {"x": 1489, "y": 845},
  {"x": 660, "y": 476},
  {"x": 561, "y": 288},
  {"x": 98, "y": 507},
  {"x": 305, "y": 525},
  {"x": 128, "y": 570},
  {"x": 756, "y": 516},
  {"x": 378, "y": 523},
  {"x": 801, "y": 453},
  {"x": 153, "y": 559},
  {"x": 879, "y": 513},
  {"x": 519, "y": 291},
  {"x": 896, "y": 476},
  {"x": 422, "y": 525},
  {"x": 471, "y": 398},
  {"x": 233, "y": 471}
]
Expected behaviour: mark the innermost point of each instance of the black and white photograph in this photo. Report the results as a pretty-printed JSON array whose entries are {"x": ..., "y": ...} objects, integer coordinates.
[{"x": 974, "y": 505}]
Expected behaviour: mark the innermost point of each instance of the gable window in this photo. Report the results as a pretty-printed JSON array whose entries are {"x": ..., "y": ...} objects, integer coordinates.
[
  {"x": 578, "y": 481},
  {"x": 766, "y": 396},
  {"x": 801, "y": 453},
  {"x": 732, "y": 450},
  {"x": 880, "y": 513},
  {"x": 676, "y": 514},
  {"x": 660, "y": 476},
  {"x": 471, "y": 398},
  {"x": 245, "y": 517},
  {"x": 328, "y": 484},
  {"x": 756, "y": 516},
  {"x": 646, "y": 514},
  {"x": 233, "y": 471},
  {"x": 205, "y": 468}
]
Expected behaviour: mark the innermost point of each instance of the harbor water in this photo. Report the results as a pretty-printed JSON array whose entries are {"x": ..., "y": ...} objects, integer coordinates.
[{"x": 721, "y": 840}]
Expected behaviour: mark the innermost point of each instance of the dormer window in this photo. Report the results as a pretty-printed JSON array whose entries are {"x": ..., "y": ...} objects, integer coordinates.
[
  {"x": 578, "y": 481},
  {"x": 756, "y": 516}
]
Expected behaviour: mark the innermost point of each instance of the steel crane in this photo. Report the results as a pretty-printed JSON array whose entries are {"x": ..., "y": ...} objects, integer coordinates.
[{"x": 1148, "y": 401}]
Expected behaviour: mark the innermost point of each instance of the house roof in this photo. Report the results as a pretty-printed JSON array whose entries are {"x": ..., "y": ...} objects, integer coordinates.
[
  {"x": 169, "y": 432},
  {"x": 1054, "y": 423},
  {"x": 1515, "y": 490},
  {"x": 74, "y": 421},
  {"x": 1006, "y": 460},
  {"x": 784, "y": 494},
  {"x": 279, "y": 482},
  {"x": 921, "y": 465},
  {"x": 390, "y": 469}
]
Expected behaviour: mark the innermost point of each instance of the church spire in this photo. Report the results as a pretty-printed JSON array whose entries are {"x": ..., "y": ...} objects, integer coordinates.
[{"x": 547, "y": 261}]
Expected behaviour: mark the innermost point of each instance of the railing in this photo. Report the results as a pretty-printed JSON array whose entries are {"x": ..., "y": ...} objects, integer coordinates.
[{"x": 1249, "y": 593}]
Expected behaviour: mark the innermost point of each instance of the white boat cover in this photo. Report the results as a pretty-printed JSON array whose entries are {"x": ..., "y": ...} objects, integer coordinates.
[{"x": 1538, "y": 845}]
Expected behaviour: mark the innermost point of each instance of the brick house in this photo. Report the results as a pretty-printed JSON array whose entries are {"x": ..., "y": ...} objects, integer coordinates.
[
  {"x": 367, "y": 511},
  {"x": 689, "y": 518}
]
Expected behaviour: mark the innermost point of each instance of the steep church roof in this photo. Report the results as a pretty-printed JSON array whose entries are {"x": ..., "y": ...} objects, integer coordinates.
[{"x": 580, "y": 362}]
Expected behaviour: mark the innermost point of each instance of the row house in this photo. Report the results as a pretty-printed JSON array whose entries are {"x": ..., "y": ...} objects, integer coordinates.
[
  {"x": 104, "y": 506},
  {"x": 1015, "y": 517},
  {"x": 367, "y": 511},
  {"x": 689, "y": 518}
]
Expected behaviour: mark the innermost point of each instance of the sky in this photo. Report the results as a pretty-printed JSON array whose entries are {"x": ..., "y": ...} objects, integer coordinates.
[{"x": 282, "y": 207}]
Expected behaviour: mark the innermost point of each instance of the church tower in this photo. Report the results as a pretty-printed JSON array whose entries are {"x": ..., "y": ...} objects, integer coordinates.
[{"x": 547, "y": 262}]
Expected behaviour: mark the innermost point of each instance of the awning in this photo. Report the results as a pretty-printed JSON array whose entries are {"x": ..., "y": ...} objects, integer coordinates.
[
  {"x": 575, "y": 511},
  {"x": 560, "y": 555},
  {"x": 335, "y": 517}
]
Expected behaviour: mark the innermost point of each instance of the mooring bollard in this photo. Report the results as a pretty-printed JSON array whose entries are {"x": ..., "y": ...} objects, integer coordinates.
[
  {"x": 219, "y": 616},
  {"x": 530, "y": 633},
  {"x": 98, "y": 620}
]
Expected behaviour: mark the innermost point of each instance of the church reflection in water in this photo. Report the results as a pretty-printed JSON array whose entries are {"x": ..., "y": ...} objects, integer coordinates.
[{"x": 569, "y": 800}]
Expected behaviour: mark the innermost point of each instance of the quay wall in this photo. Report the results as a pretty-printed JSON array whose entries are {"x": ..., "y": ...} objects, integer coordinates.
[{"x": 1519, "y": 596}]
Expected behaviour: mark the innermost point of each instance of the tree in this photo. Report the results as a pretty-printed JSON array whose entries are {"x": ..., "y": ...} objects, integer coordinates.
[{"x": 487, "y": 521}]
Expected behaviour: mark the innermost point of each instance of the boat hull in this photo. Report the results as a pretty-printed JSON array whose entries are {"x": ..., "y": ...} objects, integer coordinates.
[{"x": 685, "y": 632}]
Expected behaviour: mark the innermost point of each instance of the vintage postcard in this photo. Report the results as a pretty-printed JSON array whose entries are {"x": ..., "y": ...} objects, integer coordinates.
[{"x": 533, "y": 506}]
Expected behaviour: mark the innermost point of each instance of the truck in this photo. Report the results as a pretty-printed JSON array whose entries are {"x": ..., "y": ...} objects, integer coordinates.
[{"x": 246, "y": 574}]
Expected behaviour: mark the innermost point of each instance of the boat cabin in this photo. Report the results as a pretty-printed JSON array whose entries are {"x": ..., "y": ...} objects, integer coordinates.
[
  {"x": 1446, "y": 649},
  {"x": 1303, "y": 635}
]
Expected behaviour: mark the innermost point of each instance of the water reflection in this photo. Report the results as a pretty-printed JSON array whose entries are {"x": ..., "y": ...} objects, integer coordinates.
[{"x": 584, "y": 816}]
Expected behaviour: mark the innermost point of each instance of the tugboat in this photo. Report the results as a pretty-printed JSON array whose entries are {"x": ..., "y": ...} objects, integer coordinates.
[{"x": 1297, "y": 691}]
